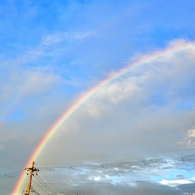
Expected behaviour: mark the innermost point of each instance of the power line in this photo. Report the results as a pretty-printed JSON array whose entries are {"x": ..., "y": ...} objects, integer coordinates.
[
  {"x": 105, "y": 183},
  {"x": 184, "y": 162},
  {"x": 11, "y": 174},
  {"x": 146, "y": 162},
  {"x": 45, "y": 185},
  {"x": 50, "y": 182},
  {"x": 41, "y": 187}
]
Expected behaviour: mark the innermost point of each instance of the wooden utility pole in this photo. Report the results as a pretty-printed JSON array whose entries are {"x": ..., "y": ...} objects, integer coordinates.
[{"x": 31, "y": 171}]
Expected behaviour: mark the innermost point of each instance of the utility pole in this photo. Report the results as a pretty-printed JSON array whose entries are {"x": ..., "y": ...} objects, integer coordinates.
[{"x": 31, "y": 171}]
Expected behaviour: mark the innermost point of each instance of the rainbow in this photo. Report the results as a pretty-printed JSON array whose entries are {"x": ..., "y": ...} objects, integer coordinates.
[{"x": 84, "y": 97}]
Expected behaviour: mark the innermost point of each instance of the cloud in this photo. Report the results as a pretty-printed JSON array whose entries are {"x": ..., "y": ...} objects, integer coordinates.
[
  {"x": 66, "y": 36},
  {"x": 131, "y": 175},
  {"x": 52, "y": 51},
  {"x": 175, "y": 183},
  {"x": 146, "y": 188},
  {"x": 20, "y": 84},
  {"x": 189, "y": 140},
  {"x": 191, "y": 133},
  {"x": 141, "y": 115}
]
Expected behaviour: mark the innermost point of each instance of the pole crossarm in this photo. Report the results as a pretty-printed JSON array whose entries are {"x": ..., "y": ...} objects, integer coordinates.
[{"x": 31, "y": 171}]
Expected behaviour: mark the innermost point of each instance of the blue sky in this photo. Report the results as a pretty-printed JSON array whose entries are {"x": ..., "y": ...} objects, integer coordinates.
[{"x": 52, "y": 52}]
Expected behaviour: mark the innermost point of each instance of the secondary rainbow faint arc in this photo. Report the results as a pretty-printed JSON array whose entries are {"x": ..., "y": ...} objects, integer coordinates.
[{"x": 144, "y": 60}]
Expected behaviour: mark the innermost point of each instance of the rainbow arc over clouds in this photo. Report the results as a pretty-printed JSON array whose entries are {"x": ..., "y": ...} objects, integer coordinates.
[{"x": 68, "y": 113}]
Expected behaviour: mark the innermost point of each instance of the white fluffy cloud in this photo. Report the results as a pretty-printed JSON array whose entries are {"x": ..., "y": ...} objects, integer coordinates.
[
  {"x": 174, "y": 183},
  {"x": 189, "y": 140}
]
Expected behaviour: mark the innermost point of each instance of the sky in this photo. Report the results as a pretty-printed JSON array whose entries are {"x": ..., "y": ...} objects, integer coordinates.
[{"x": 133, "y": 135}]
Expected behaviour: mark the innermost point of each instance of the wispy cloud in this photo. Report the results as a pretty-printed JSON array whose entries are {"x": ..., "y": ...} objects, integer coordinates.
[{"x": 59, "y": 37}]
